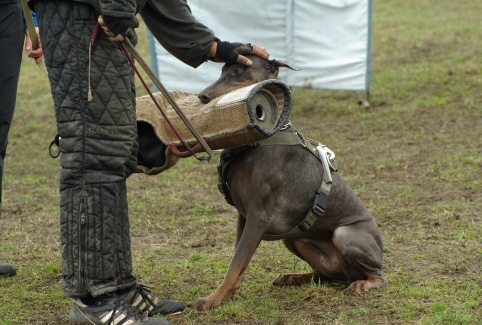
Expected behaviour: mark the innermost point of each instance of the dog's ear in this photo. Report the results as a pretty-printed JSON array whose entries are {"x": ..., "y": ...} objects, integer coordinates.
[
  {"x": 272, "y": 68},
  {"x": 280, "y": 64}
]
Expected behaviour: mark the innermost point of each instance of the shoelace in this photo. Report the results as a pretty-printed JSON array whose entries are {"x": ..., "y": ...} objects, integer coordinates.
[
  {"x": 130, "y": 311},
  {"x": 144, "y": 293}
]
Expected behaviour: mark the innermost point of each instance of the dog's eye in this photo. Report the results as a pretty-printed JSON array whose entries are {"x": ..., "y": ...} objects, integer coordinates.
[{"x": 237, "y": 71}]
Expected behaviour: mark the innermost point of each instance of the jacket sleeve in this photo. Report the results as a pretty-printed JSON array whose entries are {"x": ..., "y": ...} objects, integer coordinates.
[
  {"x": 175, "y": 28},
  {"x": 118, "y": 8}
]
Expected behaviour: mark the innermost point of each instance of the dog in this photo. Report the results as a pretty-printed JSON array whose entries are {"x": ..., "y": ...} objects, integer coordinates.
[{"x": 274, "y": 188}]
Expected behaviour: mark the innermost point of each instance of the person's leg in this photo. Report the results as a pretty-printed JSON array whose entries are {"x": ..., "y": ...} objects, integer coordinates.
[
  {"x": 99, "y": 149},
  {"x": 11, "y": 43},
  {"x": 97, "y": 144}
]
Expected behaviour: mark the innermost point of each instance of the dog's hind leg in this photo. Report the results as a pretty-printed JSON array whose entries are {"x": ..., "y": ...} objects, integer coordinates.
[
  {"x": 361, "y": 247},
  {"x": 310, "y": 254}
]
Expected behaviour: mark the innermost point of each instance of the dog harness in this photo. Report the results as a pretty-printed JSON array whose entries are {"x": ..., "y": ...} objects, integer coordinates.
[{"x": 287, "y": 137}]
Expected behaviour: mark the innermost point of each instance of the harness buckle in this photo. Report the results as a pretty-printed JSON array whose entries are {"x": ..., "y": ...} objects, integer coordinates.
[
  {"x": 304, "y": 227},
  {"x": 320, "y": 203}
]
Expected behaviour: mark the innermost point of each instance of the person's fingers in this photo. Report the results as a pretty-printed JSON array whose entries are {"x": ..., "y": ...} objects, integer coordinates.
[
  {"x": 100, "y": 21},
  {"x": 38, "y": 37},
  {"x": 244, "y": 60},
  {"x": 257, "y": 50},
  {"x": 117, "y": 38},
  {"x": 37, "y": 55},
  {"x": 107, "y": 31},
  {"x": 28, "y": 41},
  {"x": 260, "y": 51},
  {"x": 112, "y": 36},
  {"x": 37, "y": 59}
]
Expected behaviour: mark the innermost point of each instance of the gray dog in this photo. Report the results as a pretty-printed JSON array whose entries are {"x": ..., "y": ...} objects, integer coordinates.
[{"x": 288, "y": 189}]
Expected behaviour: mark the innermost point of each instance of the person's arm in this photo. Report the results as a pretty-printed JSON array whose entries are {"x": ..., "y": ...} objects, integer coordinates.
[
  {"x": 118, "y": 8},
  {"x": 177, "y": 30}
]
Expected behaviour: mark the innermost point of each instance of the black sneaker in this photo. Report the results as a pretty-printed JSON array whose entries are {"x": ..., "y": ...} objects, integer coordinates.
[
  {"x": 7, "y": 270},
  {"x": 139, "y": 296},
  {"x": 111, "y": 310}
]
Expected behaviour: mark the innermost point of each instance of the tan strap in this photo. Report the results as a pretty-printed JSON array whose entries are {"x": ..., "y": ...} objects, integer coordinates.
[{"x": 27, "y": 14}]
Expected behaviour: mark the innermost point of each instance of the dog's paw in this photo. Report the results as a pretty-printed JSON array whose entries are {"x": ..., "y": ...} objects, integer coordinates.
[
  {"x": 373, "y": 282},
  {"x": 293, "y": 279},
  {"x": 201, "y": 304},
  {"x": 282, "y": 280},
  {"x": 205, "y": 303},
  {"x": 359, "y": 286}
]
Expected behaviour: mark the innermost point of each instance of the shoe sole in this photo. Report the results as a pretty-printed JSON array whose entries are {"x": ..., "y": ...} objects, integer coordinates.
[
  {"x": 77, "y": 316},
  {"x": 175, "y": 313},
  {"x": 6, "y": 275}
]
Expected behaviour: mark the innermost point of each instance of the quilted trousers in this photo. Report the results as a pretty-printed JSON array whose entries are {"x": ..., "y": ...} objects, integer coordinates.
[{"x": 97, "y": 144}]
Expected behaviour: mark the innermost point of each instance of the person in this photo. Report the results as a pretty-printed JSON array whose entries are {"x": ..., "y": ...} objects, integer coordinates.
[
  {"x": 94, "y": 98},
  {"x": 12, "y": 36}
]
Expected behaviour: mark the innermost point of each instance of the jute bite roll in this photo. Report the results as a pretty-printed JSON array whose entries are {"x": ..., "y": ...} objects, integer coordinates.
[{"x": 243, "y": 116}]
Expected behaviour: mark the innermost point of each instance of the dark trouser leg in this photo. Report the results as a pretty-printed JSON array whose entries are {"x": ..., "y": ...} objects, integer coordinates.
[
  {"x": 98, "y": 146},
  {"x": 11, "y": 42},
  {"x": 95, "y": 239}
]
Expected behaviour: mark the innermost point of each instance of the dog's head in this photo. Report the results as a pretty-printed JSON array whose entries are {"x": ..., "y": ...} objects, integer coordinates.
[{"x": 236, "y": 75}]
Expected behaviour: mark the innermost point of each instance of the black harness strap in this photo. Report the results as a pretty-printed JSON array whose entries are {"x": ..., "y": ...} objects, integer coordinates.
[{"x": 227, "y": 157}]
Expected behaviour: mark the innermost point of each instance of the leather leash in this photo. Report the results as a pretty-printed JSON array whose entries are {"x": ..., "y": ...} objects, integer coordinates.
[{"x": 201, "y": 141}]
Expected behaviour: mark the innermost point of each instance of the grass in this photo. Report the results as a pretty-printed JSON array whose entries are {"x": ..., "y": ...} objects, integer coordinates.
[{"x": 414, "y": 158}]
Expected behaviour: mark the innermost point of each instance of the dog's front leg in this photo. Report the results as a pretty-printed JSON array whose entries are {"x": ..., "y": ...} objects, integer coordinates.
[
  {"x": 245, "y": 249},
  {"x": 239, "y": 229}
]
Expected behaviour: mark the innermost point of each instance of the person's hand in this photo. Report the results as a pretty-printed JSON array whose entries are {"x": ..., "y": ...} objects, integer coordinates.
[
  {"x": 235, "y": 52},
  {"x": 116, "y": 28},
  {"x": 37, "y": 54}
]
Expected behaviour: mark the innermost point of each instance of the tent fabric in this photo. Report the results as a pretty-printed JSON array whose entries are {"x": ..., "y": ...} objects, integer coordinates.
[{"x": 329, "y": 40}]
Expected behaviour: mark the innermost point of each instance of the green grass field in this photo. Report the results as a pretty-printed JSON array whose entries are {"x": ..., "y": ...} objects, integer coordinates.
[{"x": 414, "y": 158}]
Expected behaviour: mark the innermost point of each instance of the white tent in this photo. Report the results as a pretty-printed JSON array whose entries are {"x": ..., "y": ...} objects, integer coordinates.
[{"x": 329, "y": 40}]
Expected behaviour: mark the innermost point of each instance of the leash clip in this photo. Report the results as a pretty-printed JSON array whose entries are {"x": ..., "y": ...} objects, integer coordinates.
[{"x": 55, "y": 153}]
